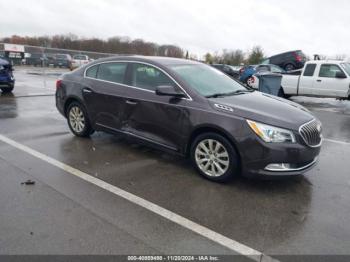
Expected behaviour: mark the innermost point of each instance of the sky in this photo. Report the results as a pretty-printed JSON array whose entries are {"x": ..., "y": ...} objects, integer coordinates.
[{"x": 316, "y": 27}]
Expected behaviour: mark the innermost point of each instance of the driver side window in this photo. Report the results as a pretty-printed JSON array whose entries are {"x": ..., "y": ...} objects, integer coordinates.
[
  {"x": 329, "y": 71},
  {"x": 149, "y": 77}
]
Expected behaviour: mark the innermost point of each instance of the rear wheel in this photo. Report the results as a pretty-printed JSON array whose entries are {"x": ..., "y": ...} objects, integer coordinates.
[
  {"x": 282, "y": 94},
  {"x": 78, "y": 120},
  {"x": 289, "y": 67},
  {"x": 214, "y": 157},
  {"x": 250, "y": 81}
]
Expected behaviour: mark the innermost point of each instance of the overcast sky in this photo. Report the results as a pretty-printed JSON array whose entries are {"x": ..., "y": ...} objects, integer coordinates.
[{"x": 198, "y": 26}]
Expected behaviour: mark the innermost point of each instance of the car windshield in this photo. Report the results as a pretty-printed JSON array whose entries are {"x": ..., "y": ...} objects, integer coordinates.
[
  {"x": 207, "y": 80},
  {"x": 346, "y": 67}
]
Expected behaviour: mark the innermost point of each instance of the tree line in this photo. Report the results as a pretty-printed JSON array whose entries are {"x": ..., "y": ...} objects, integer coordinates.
[
  {"x": 236, "y": 57},
  {"x": 126, "y": 45},
  {"x": 113, "y": 45}
]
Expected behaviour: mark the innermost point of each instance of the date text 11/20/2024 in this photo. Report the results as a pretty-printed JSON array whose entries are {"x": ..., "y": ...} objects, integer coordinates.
[{"x": 174, "y": 258}]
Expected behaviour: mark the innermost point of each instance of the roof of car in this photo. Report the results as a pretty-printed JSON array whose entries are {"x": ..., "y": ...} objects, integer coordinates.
[{"x": 155, "y": 59}]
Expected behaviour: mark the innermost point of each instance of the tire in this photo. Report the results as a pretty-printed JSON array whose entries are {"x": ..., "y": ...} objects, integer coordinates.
[
  {"x": 206, "y": 159},
  {"x": 8, "y": 89},
  {"x": 78, "y": 120},
  {"x": 249, "y": 80},
  {"x": 289, "y": 67},
  {"x": 282, "y": 94}
]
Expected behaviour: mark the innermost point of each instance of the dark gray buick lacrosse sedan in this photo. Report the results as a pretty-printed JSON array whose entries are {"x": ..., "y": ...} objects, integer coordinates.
[{"x": 194, "y": 110}]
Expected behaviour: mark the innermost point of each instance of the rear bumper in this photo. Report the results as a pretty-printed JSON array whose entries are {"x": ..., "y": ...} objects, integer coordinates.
[{"x": 299, "y": 65}]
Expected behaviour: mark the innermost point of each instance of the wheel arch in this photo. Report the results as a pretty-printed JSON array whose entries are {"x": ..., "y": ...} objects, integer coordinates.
[
  {"x": 208, "y": 128},
  {"x": 70, "y": 100}
]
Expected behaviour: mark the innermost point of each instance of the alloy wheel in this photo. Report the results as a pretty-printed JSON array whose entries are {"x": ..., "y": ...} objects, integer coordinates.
[
  {"x": 77, "y": 119},
  {"x": 250, "y": 81},
  {"x": 212, "y": 157}
]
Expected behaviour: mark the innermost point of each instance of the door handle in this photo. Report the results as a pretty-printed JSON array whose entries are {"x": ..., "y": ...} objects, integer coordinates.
[
  {"x": 87, "y": 90},
  {"x": 131, "y": 102},
  {"x": 319, "y": 80}
]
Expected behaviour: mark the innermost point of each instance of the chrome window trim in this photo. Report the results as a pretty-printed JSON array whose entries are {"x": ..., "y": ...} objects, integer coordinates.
[
  {"x": 321, "y": 140},
  {"x": 292, "y": 169},
  {"x": 135, "y": 87}
]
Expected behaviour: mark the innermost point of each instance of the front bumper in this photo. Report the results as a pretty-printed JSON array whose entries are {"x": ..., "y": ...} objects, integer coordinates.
[
  {"x": 257, "y": 157},
  {"x": 6, "y": 80}
]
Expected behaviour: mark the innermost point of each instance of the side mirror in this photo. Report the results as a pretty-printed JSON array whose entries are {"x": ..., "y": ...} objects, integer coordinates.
[
  {"x": 340, "y": 74},
  {"x": 169, "y": 91}
]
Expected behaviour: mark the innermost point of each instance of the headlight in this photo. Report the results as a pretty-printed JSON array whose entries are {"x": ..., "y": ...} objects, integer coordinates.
[{"x": 271, "y": 134}]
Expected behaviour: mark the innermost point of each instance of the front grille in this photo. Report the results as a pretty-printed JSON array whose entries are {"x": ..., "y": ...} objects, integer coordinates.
[{"x": 311, "y": 133}]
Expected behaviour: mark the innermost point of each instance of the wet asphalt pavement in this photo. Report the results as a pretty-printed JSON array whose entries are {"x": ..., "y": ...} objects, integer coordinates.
[{"x": 62, "y": 214}]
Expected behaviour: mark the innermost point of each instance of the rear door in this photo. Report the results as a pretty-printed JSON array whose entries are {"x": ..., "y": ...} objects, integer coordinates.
[
  {"x": 104, "y": 92},
  {"x": 326, "y": 84},
  {"x": 307, "y": 79},
  {"x": 154, "y": 118}
]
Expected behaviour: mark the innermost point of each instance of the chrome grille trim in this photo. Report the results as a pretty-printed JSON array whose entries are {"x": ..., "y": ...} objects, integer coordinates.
[{"x": 310, "y": 134}]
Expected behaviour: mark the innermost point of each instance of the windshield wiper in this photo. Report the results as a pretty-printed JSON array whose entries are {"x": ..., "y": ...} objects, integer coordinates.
[
  {"x": 237, "y": 92},
  {"x": 216, "y": 95}
]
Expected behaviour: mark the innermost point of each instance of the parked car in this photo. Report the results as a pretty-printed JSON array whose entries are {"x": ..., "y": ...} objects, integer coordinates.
[
  {"x": 36, "y": 59},
  {"x": 246, "y": 74},
  {"x": 186, "y": 107},
  {"x": 79, "y": 60},
  {"x": 321, "y": 78},
  {"x": 288, "y": 61},
  {"x": 62, "y": 60},
  {"x": 228, "y": 69},
  {"x": 7, "y": 80}
]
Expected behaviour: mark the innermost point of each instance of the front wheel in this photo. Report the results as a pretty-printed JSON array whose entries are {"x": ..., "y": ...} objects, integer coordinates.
[
  {"x": 214, "y": 157},
  {"x": 78, "y": 120}
]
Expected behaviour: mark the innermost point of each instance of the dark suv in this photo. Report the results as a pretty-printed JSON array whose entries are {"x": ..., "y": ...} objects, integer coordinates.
[
  {"x": 227, "y": 69},
  {"x": 7, "y": 80},
  {"x": 288, "y": 61},
  {"x": 194, "y": 110},
  {"x": 62, "y": 60}
]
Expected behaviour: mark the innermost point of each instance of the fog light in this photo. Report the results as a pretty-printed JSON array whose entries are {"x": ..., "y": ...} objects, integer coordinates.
[{"x": 278, "y": 167}]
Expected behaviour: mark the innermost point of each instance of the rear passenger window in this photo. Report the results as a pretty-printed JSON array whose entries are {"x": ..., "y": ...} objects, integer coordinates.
[
  {"x": 148, "y": 77},
  {"x": 113, "y": 72},
  {"x": 92, "y": 71},
  {"x": 309, "y": 70}
]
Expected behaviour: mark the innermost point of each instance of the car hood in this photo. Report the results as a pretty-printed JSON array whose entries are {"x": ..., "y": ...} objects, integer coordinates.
[{"x": 266, "y": 109}]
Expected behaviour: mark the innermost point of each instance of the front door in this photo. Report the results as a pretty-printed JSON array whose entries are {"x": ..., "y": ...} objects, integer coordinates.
[
  {"x": 158, "y": 119},
  {"x": 327, "y": 85}
]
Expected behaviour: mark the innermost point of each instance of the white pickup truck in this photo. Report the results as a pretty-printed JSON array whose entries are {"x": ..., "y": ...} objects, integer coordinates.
[
  {"x": 319, "y": 78},
  {"x": 79, "y": 60}
]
